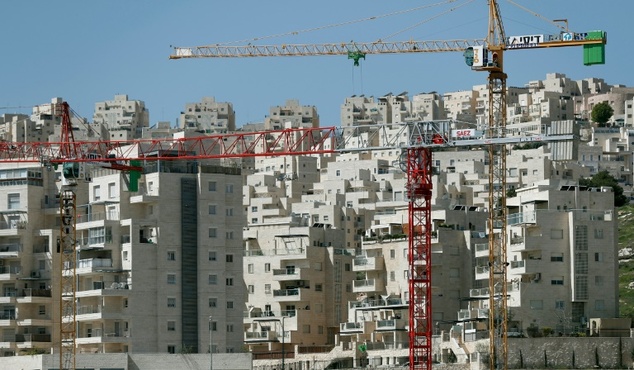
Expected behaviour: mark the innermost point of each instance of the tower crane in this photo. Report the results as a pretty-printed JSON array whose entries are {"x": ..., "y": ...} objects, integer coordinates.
[{"x": 485, "y": 55}]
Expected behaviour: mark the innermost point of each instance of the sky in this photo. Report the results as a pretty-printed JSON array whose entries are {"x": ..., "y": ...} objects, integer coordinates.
[{"x": 90, "y": 51}]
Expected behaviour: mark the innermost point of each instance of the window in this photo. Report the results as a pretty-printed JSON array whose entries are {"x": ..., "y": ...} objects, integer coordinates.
[
  {"x": 13, "y": 201},
  {"x": 213, "y": 279},
  {"x": 229, "y": 281},
  {"x": 319, "y": 287},
  {"x": 598, "y": 280},
  {"x": 229, "y": 328},
  {"x": 229, "y": 304},
  {"x": 347, "y": 267},
  {"x": 537, "y": 304},
  {"x": 171, "y": 302},
  {"x": 171, "y": 325},
  {"x": 267, "y": 288},
  {"x": 557, "y": 281},
  {"x": 96, "y": 193},
  {"x": 229, "y": 212},
  {"x": 212, "y": 209},
  {"x": 213, "y": 302},
  {"x": 559, "y": 305},
  {"x": 306, "y": 329},
  {"x": 171, "y": 278},
  {"x": 42, "y": 310},
  {"x": 392, "y": 276},
  {"x": 212, "y": 186},
  {"x": 229, "y": 235},
  {"x": 392, "y": 254},
  {"x": 267, "y": 267},
  {"x": 254, "y": 209},
  {"x": 556, "y": 234},
  {"x": 251, "y": 289},
  {"x": 598, "y": 233},
  {"x": 556, "y": 257},
  {"x": 112, "y": 190},
  {"x": 212, "y": 256},
  {"x": 171, "y": 349},
  {"x": 598, "y": 257},
  {"x": 229, "y": 258},
  {"x": 171, "y": 256},
  {"x": 254, "y": 220},
  {"x": 250, "y": 268},
  {"x": 213, "y": 232},
  {"x": 229, "y": 188}
]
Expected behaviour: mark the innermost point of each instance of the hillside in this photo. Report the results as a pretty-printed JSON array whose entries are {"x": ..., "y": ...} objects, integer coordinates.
[{"x": 626, "y": 265}]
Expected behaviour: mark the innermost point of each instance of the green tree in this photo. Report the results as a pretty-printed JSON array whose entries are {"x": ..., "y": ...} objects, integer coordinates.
[
  {"x": 601, "y": 113},
  {"x": 604, "y": 178}
]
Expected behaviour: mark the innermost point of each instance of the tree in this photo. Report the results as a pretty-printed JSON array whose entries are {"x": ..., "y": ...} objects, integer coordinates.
[
  {"x": 604, "y": 178},
  {"x": 601, "y": 113}
]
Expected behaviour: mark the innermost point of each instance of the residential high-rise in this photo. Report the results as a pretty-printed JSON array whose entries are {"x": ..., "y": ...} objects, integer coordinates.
[{"x": 152, "y": 265}]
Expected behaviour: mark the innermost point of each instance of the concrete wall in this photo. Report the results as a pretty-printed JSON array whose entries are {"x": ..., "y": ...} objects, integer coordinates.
[
  {"x": 123, "y": 361},
  {"x": 568, "y": 353}
]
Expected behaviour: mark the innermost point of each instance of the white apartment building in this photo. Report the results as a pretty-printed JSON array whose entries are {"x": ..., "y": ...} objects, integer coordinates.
[
  {"x": 157, "y": 269},
  {"x": 124, "y": 119},
  {"x": 562, "y": 236},
  {"x": 208, "y": 116},
  {"x": 292, "y": 113}
]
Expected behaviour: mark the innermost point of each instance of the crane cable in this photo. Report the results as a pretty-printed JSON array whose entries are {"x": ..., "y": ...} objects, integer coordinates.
[
  {"x": 294, "y": 33},
  {"x": 425, "y": 21},
  {"x": 539, "y": 15}
]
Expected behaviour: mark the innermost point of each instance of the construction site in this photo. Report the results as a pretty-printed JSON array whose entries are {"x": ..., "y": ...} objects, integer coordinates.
[{"x": 398, "y": 239}]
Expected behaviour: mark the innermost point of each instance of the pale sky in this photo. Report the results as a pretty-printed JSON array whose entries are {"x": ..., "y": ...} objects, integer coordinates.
[{"x": 89, "y": 51}]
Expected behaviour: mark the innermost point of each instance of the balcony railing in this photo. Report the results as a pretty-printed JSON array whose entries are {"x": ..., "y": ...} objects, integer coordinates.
[
  {"x": 30, "y": 292},
  {"x": 286, "y": 292},
  {"x": 10, "y": 269}
]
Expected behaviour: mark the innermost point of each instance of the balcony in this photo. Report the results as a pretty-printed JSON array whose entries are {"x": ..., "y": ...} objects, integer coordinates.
[
  {"x": 363, "y": 263},
  {"x": 394, "y": 302},
  {"x": 390, "y": 324},
  {"x": 30, "y": 295},
  {"x": 367, "y": 286},
  {"x": 473, "y": 314},
  {"x": 99, "y": 216},
  {"x": 482, "y": 250},
  {"x": 32, "y": 340},
  {"x": 260, "y": 336},
  {"x": 96, "y": 242},
  {"x": 351, "y": 327},
  {"x": 93, "y": 264},
  {"x": 144, "y": 198},
  {"x": 10, "y": 272},
  {"x": 482, "y": 272},
  {"x": 10, "y": 250},
  {"x": 96, "y": 336},
  {"x": 103, "y": 288},
  {"x": 286, "y": 295},
  {"x": 287, "y": 274}
]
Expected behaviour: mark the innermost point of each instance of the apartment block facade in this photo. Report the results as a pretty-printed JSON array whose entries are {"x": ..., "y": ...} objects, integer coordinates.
[{"x": 156, "y": 269}]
